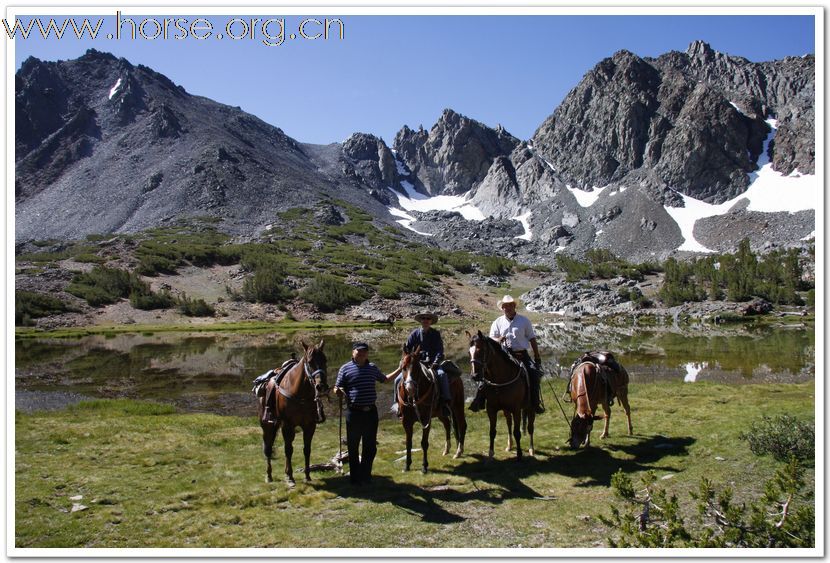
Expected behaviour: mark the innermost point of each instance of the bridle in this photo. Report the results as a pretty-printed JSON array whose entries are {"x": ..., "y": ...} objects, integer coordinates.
[
  {"x": 314, "y": 372},
  {"x": 413, "y": 399},
  {"x": 482, "y": 364}
]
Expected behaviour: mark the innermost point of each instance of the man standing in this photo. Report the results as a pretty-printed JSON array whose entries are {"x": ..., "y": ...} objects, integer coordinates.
[
  {"x": 516, "y": 333},
  {"x": 432, "y": 354},
  {"x": 356, "y": 382}
]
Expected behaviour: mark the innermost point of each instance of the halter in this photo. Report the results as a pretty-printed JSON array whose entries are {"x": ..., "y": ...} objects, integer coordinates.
[{"x": 311, "y": 378}]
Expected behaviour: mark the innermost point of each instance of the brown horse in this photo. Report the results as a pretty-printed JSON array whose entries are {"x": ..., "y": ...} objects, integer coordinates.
[
  {"x": 588, "y": 390},
  {"x": 507, "y": 389},
  {"x": 296, "y": 402},
  {"x": 419, "y": 401}
]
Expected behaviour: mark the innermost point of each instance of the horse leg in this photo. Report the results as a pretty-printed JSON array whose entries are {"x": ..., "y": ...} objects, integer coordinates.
[
  {"x": 460, "y": 429},
  {"x": 607, "y": 410},
  {"x": 308, "y": 435},
  {"x": 509, "y": 422},
  {"x": 269, "y": 434},
  {"x": 517, "y": 433},
  {"x": 288, "y": 437},
  {"x": 408, "y": 428},
  {"x": 530, "y": 419},
  {"x": 425, "y": 446},
  {"x": 447, "y": 438},
  {"x": 492, "y": 414},
  {"x": 623, "y": 397}
]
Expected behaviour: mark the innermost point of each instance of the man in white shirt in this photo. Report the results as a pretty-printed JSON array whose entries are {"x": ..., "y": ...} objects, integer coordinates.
[{"x": 515, "y": 332}]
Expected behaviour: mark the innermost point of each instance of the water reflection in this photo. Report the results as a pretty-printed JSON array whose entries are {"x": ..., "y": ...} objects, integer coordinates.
[{"x": 213, "y": 372}]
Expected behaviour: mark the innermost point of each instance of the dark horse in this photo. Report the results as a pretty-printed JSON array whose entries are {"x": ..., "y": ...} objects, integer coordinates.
[
  {"x": 588, "y": 390},
  {"x": 507, "y": 389},
  {"x": 295, "y": 402},
  {"x": 418, "y": 401}
]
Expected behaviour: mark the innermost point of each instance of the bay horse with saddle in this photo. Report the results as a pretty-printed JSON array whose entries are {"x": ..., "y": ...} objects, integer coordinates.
[
  {"x": 596, "y": 379},
  {"x": 289, "y": 400},
  {"x": 419, "y": 401},
  {"x": 507, "y": 389}
]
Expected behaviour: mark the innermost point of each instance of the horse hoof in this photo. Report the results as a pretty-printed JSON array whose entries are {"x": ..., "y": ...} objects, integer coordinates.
[
  {"x": 531, "y": 453},
  {"x": 424, "y": 470},
  {"x": 290, "y": 483},
  {"x": 269, "y": 479}
]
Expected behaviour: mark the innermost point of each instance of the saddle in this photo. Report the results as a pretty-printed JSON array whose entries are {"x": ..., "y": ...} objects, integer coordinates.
[
  {"x": 607, "y": 367},
  {"x": 261, "y": 386},
  {"x": 450, "y": 368},
  {"x": 261, "y": 381}
]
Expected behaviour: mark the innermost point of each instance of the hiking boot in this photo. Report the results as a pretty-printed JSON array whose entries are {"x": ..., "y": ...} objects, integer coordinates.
[{"x": 268, "y": 416}]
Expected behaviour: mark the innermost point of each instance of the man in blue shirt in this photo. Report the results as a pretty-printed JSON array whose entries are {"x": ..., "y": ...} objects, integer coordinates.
[
  {"x": 432, "y": 354},
  {"x": 356, "y": 382}
]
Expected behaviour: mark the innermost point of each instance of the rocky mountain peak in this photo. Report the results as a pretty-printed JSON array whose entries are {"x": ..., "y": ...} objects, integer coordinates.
[
  {"x": 700, "y": 49},
  {"x": 455, "y": 155}
]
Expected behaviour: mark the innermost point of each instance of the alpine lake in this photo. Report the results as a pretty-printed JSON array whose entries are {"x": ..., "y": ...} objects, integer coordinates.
[{"x": 212, "y": 372}]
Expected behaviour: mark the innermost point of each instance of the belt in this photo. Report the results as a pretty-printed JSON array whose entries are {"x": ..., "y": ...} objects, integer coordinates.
[{"x": 364, "y": 408}]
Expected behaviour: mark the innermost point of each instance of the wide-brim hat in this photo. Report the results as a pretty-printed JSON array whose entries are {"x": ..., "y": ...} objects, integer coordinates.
[
  {"x": 421, "y": 316},
  {"x": 507, "y": 299}
]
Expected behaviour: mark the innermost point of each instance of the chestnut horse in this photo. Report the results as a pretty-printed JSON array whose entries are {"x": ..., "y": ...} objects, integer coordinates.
[
  {"x": 419, "y": 401},
  {"x": 507, "y": 389},
  {"x": 588, "y": 390},
  {"x": 296, "y": 402}
]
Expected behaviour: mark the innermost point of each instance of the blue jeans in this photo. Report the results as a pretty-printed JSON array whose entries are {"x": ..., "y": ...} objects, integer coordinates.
[{"x": 443, "y": 384}]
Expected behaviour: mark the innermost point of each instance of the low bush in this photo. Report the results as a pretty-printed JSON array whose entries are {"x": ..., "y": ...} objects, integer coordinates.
[
  {"x": 102, "y": 286},
  {"x": 782, "y": 437},
  {"x": 195, "y": 307},
  {"x": 29, "y": 305},
  {"x": 329, "y": 294}
]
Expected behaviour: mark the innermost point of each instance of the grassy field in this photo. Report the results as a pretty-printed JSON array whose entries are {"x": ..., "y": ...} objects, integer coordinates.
[{"x": 150, "y": 477}]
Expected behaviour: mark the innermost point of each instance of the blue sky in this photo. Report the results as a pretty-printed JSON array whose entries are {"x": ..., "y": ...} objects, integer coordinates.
[{"x": 389, "y": 71}]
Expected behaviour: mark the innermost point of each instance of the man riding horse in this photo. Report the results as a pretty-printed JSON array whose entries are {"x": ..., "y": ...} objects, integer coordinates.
[
  {"x": 516, "y": 334},
  {"x": 432, "y": 355}
]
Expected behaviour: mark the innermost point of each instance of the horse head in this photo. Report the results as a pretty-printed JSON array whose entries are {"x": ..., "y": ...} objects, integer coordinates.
[
  {"x": 583, "y": 420},
  {"x": 478, "y": 355},
  {"x": 411, "y": 370},
  {"x": 316, "y": 368},
  {"x": 580, "y": 429}
]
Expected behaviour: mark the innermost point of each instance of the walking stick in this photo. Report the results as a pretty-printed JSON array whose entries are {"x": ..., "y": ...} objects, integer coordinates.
[{"x": 340, "y": 437}]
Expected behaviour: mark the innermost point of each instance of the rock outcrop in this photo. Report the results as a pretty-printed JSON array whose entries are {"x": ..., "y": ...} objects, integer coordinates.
[{"x": 455, "y": 155}]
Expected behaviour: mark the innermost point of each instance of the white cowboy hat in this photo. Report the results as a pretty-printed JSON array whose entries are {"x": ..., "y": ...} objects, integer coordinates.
[{"x": 507, "y": 299}]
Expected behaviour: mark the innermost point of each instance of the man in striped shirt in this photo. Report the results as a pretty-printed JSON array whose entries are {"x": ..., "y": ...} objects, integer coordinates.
[{"x": 356, "y": 382}]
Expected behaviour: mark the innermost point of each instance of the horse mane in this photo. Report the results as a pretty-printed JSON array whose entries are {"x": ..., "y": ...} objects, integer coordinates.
[{"x": 496, "y": 346}]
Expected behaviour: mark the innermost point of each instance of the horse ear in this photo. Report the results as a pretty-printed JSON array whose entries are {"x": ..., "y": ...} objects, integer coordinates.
[
  {"x": 480, "y": 335},
  {"x": 469, "y": 336},
  {"x": 305, "y": 346},
  {"x": 320, "y": 346}
]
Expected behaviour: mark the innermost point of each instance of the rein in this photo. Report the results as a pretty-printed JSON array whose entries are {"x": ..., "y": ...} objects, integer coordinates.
[
  {"x": 417, "y": 403},
  {"x": 485, "y": 369},
  {"x": 310, "y": 376}
]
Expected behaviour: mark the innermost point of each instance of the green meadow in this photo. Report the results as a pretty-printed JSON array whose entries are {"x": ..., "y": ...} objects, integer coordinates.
[{"x": 150, "y": 477}]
